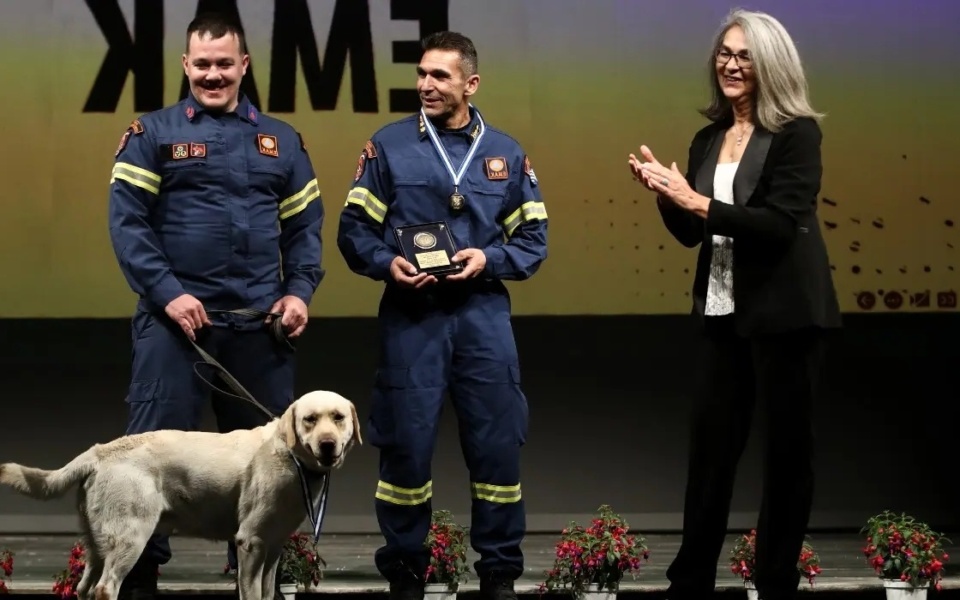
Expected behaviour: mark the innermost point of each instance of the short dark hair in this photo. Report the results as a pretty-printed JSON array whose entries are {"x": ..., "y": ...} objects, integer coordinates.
[
  {"x": 451, "y": 40},
  {"x": 217, "y": 25}
]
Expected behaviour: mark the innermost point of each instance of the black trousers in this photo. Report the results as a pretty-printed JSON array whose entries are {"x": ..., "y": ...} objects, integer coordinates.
[{"x": 779, "y": 375}]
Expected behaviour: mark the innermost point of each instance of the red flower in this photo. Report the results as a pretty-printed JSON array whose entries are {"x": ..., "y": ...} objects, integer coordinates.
[
  {"x": 299, "y": 562},
  {"x": 65, "y": 583},
  {"x": 601, "y": 553},
  {"x": 900, "y": 547},
  {"x": 743, "y": 559},
  {"x": 446, "y": 544}
]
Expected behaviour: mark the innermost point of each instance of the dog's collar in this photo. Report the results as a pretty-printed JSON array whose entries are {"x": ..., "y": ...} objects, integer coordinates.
[{"x": 314, "y": 512}]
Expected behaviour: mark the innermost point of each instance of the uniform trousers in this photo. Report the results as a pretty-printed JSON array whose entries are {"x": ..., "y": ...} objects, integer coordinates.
[
  {"x": 165, "y": 392},
  {"x": 455, "y": 339}
]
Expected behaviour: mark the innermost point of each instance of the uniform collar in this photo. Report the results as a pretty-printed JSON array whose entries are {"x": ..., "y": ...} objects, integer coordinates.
[
  {"x": 245, "y": 110},
  {"x": 473, "y": 127}
]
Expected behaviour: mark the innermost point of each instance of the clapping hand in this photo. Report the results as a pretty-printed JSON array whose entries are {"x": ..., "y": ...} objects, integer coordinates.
[
  {"x": 668, "y": 183},
  {"x": 636, "y": 167}
]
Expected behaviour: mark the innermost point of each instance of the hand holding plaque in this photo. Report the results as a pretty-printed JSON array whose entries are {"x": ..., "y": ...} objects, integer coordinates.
[{"x": 429, "y": 247}]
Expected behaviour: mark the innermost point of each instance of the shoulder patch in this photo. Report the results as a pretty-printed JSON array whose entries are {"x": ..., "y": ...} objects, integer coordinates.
[
  {"x": 136, "y": 127},
  {"x": 361, "y": 165},
  {"x": 528, "y": 169},
  {"x": 370, "y": 150},
  {"x": 123, "y": 143}
]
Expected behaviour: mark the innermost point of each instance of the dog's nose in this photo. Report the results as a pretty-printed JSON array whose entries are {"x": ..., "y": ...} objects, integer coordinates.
[{"x": 327, "y": 447}]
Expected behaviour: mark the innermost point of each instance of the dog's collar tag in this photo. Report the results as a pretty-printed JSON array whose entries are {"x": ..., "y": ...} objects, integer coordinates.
[{"x": 314, "y": 513}]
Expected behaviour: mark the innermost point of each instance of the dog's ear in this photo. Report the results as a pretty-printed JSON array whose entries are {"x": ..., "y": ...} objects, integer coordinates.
[
  {"x": 356, "y": 425},
  {"x": 288, "y": 426}
]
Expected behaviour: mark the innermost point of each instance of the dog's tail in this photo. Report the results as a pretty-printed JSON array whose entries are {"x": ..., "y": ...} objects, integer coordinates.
[{"x": 43, "y": 484}]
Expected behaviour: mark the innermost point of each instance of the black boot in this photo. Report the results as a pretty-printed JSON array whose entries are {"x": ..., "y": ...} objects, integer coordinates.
[
  {"x": 497, "y": 587},
  {"x": 140, "y": 583},
  {"x": 406, "y": 586}
]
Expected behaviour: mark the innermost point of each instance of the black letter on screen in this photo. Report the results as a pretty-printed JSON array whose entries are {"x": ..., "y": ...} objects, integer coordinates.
[
  {"x": 144, "y": 56},
  {"x": 349, "y": 35},
  {"x": 434, "y": 16}
]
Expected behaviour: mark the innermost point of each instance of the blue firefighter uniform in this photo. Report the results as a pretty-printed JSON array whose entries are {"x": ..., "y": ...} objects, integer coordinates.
[
  {"x": 451, "y": 335},
  {"x": 226, "y": 208}
]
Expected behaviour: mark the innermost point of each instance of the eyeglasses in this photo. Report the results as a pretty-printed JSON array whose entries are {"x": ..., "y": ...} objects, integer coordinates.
[{"x": 742, "y": 58}]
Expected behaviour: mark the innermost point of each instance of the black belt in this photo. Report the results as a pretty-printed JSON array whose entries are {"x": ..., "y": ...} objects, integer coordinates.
[
  {"x": 276, "y": 331},
  {"x": 276, "y": 327}
]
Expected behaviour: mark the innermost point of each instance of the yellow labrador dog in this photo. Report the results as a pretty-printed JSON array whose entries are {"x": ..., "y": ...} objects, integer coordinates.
[{"x": 241, "y": 485}]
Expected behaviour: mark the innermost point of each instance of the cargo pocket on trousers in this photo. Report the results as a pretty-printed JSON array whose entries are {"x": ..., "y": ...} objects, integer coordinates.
[
  {"x": 388, "y": 393},
  {"x": 522, "y": 409},
  {"x": 144, "y": 406}
]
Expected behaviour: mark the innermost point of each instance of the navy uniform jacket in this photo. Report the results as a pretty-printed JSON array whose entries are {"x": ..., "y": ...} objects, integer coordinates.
[
  {"x": 401, "y": 180},
  {"x": 225, "y": 208}
]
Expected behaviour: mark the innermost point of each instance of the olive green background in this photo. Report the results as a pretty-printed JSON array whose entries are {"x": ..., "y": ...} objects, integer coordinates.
[{"x": 579, "y": 86}]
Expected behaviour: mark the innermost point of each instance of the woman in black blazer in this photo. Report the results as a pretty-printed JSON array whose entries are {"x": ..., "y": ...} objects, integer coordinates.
[{"x": 762, "y": 290}]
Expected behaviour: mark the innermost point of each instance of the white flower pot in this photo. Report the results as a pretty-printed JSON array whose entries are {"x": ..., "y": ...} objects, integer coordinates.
[
  {"x": 289, "y": 590},
  {"x": 904, "y": 590},
  {"x": 439, "y": 591},
  {"x": 752, "y": 593},
  {"x": 593, "y": 592}
]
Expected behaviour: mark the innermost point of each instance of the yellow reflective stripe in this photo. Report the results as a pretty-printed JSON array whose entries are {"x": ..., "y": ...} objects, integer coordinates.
[
  {"x": 299, "y": 201},
  {"x": 404, "y": 496},
  {"x": 363, "y": 198},
  {"x": 502, "y": 494},
  {"x": 528, "y": 211},
  {"x": 134, "y": 175}
]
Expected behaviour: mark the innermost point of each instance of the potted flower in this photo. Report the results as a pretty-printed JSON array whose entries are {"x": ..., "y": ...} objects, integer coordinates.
[
  {"x": 446, "y": 541},
  {"x": 743, "y": 561},
  {"x": 591, "y": 561},
  {"x": 906, "y": 554},
  {"x": 300, "y": 565},
  {"x": 6, "y": 570},
  {"x": 65, "y": 582}
]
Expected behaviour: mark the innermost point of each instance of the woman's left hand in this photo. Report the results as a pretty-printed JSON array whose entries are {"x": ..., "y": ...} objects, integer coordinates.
[{"x": 671, "y": 184}]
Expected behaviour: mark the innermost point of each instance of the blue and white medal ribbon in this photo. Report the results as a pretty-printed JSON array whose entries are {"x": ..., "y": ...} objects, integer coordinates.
[
  {"x": 456, "y": 199},
  {"x": 314, "y": 513}
]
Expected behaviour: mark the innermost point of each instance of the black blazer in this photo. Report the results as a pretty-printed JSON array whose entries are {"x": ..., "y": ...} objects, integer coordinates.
[{"x": 781, "y": 273}]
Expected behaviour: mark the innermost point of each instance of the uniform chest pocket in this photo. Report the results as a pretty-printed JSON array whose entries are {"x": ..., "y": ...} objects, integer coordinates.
[
  {"x": 268, "y": 178},
  {"x": 176, "y": 166},
  {"x": 178, "y": 155},
  {"x": 488, "y": 202}
]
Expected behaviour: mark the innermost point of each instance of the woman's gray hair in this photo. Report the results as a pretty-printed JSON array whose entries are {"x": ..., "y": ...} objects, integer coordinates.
[{"x": 781, "y": 93}]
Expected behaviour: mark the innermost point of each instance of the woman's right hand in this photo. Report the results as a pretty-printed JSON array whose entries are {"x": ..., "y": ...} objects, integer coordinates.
[{"x": 638, "y": 174}]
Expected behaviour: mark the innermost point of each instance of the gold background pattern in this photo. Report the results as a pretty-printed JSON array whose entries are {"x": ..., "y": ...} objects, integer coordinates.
[{"x": 580, "y": 87}]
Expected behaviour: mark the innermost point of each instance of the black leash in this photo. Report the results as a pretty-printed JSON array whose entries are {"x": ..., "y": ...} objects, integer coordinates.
[
  {"x": 276, "y": 330},
  {"x": 314, "y": 513}
]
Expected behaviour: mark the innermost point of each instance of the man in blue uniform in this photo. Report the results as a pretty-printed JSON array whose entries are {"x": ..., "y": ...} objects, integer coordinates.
[
  {"x": 213, "y": 207},
  {"x": 449, "y": 332}
]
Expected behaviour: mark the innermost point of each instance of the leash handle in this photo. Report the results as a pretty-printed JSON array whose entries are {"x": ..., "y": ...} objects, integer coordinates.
[
  {"x": 276, "y": 328},
  {"x": 230, "y": 380}
]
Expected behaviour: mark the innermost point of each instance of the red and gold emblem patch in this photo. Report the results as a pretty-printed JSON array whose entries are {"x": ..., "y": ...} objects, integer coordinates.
[
  {"x": 268, "y": 144},
  {"x": 497, "y": 168}
]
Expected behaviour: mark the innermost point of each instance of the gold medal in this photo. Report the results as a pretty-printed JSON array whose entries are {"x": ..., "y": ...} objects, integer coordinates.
[{"x": 457, "y": 201}]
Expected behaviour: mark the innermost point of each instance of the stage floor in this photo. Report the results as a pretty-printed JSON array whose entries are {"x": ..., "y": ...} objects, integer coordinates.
[{"x": 198, "y": 567}]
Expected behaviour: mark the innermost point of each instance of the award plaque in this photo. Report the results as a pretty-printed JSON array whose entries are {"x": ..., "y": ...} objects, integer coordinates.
[{"x": 429, "y": 247}]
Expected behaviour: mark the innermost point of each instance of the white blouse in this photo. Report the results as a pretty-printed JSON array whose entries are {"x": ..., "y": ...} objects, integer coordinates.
[{"x": 720, "y": 284}]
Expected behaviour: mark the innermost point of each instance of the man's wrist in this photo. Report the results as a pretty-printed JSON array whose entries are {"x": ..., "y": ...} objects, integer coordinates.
[
  {"x": 299, "y": 288},
  {"x": 494, "y": 256}
]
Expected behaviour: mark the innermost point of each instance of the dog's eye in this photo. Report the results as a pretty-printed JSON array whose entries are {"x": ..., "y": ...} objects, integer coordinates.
[
  {"x": 337, "y": 417},
  {"x": 310, "y": 419}
]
